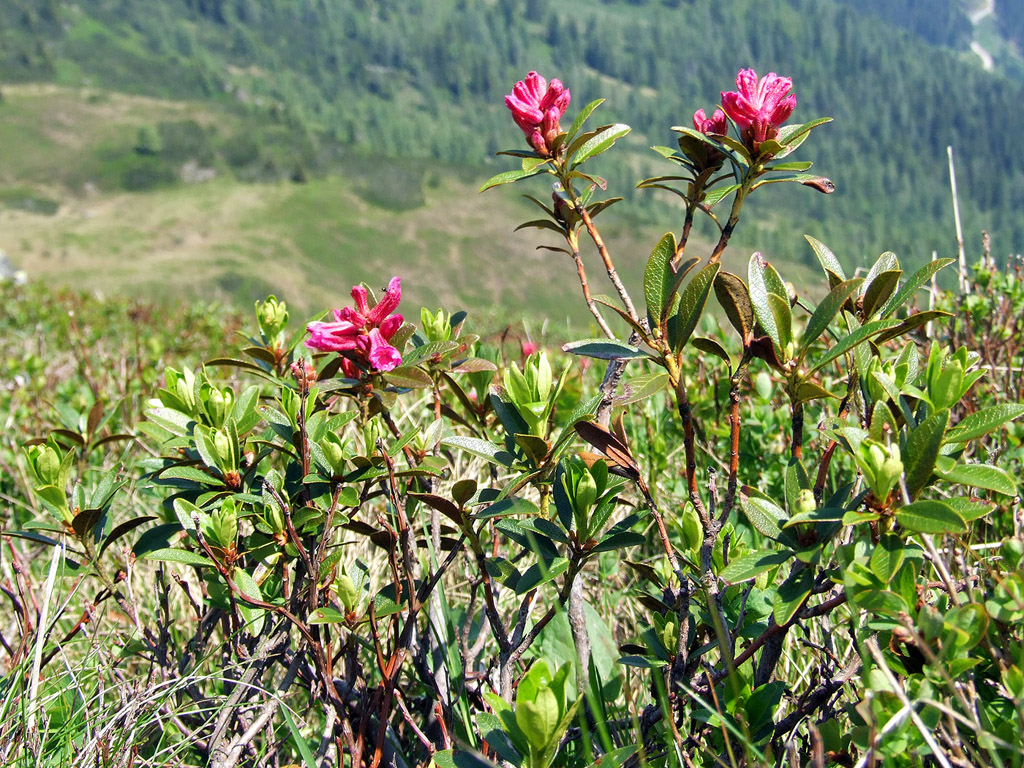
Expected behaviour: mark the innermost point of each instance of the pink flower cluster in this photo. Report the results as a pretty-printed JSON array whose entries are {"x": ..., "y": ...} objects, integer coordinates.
[
  {"x": 362, "y": 333},
  {"x": 759, "y": 107},
  {"x": 537, "y": 107}
]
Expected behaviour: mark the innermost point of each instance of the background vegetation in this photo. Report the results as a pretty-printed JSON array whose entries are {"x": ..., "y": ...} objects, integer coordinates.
[{"x": 264, "y": 91}]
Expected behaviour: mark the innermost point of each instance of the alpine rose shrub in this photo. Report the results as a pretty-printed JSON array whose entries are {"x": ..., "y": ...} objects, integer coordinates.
[
  {"x": 759, "y": 107},
  {"x": 362, "y": 333},
  {"x": 537, "y": 107},
  {"x": 766, "y": 544}
]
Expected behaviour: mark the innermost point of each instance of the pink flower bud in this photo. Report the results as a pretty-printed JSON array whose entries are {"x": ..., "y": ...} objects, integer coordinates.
[
  {"x": 715, "y": 125},
  {"x": 537, "y": 107}
]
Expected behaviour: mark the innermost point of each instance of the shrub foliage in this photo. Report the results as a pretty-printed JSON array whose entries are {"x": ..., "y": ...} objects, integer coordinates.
[{"x": 789, "y": 535}]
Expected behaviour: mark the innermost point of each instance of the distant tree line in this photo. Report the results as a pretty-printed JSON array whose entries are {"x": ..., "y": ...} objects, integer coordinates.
[{"x": 426, "y": 80}]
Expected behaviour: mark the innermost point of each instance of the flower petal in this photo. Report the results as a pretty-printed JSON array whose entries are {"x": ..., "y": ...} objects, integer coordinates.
[
  {"x": 388, "y": 303},
  {"x": 382, "y": 355},
  {"x": 390, "y": 326},
  {"x": 359, "y": 295}
]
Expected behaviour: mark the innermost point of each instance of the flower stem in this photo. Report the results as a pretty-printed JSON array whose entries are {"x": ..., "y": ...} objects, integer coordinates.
[{"x": 609, "y": 265}]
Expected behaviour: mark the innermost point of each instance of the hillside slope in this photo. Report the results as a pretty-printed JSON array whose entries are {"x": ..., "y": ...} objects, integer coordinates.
[{"x": 302, "y": 89}]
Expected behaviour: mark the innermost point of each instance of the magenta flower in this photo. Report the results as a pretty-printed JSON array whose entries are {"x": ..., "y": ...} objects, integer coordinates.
[
  {"x": 537, "y": 107},
  {"x": 759, "y": 107},
  {"x": 715, "y": 125},
  {"x": 362, "y": 333}
]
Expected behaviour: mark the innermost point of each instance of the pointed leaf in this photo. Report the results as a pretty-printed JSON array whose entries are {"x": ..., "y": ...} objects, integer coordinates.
[
  {"x": 792, "y": 594},
  {"x": 507, "y": 177},
  {"x": 852, "y": 340},
  {"x": 826, "y": 258},
  {"x": 982, "y": 476},
  {"x": 921, "y": 450},
  {"x": 918, "y": 279},
  {"x": 658, "y": 279},
  {"x": 692, "y": 301},
  {"x": 930, "y": 517},
  {"x": 734, "y": 297},
  {"x": 603, "y": 349},
  {"x": 751, "y": 565},
  {"x": 984, "y": 421},
  {"x": 880, "y": 290},
  {"x": 827, "y": 310},
  {"x": 601, "y": 142},
  {"x": 582, "y": 118}
]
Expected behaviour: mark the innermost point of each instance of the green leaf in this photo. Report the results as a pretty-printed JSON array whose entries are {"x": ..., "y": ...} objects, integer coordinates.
[
  {"x": 763, "y": 515},
  {"x": 603, "y": 349},
  {"x": 581, "y": 118},
  {"x": 759, "y": 297},
  {"x": 440, "y": 349},
  {"x": 826, "y": 258},
  {"x": 513, "y": 505},
  {"x": 792, "y": 594},
  {"x": 887, "y": 557},
  {"x": 122, "y": 529},
  {"x": 984, "y": 421},
  {"x": 827, "y": 310},
  {"x": 408, "y": 377},
  {"x": 711, "y": 347},
  {"x": 983, "y": 476},
  {"x": 851, "y": 340},
  {"x": 751, "y": 565},
  {"x": 601, "y": 142},
  {"x": 970, "y": 509},
  {"x": 797, "y": 166},
  {"x": 175, "y": 422},
  {"x": 930, "y": 517},
  {"x": 247, "y": 584},
  {"x": 879, "y": 290},
  {"x": 911, "y": 323},
  {"x": 641, "y": 387},
  {"x": 718, "y": 194},
  {"x": 326, "y": 615},
  {"x": 916, "y": 280},
  {"x": 806, "y": 391},
  {"x": 485, "y": 450},
  {"x": 507, "y": 177},
  {"x": 783, "y": 315},
  {"x": 659, "y": 280},
  {"x": 920, "y": 451},
  {"x": 541, "y": 572},
  {"x": 881, "y": 602},
  {"x": 183, "y": 556},
  {"x": 692, "y": 301},
  {"x": 732, "y": 294}
]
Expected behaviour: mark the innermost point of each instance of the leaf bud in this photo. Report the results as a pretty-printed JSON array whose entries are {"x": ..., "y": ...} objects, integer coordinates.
[
  {"x": 272, "y": 316},
  {"x": 225, "y": 449},
  {"x": 693, "y": 531},
  {"x": 805, "y": 502},
  {"x": 347, "y": 592},
  {"x": 217, "y": 403},
  {"x": 334, "y": 451},
  {"x": 436, "y": 327},
  {"x": 45, "y": 463}
]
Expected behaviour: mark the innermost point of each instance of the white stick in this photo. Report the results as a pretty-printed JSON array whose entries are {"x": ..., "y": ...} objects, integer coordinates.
[
  {"x": 44, "y": 617},
  {"x": 932, "y": 296},
  {"x": 962, "y": 260}
]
